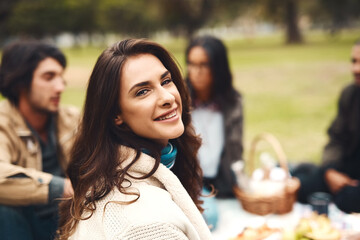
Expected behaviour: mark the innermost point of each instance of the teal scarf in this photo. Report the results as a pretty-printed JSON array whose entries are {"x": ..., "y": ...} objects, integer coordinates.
[{"x": 168, "y": 155}]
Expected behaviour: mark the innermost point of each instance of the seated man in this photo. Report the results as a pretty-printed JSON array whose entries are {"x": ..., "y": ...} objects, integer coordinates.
[
  {"x": 35, "y": 139},
  {"x": 340, "y": 171}
]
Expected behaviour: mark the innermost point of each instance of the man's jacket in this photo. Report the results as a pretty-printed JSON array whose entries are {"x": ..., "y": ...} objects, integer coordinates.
[{"x": 22, "y": 181}]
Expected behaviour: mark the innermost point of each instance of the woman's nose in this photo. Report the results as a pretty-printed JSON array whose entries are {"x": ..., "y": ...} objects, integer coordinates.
[{"x": 165, "y": 97}]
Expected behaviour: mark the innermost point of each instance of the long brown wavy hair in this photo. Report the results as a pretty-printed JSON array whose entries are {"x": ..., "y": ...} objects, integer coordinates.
[{"x": 95, "y": 167}]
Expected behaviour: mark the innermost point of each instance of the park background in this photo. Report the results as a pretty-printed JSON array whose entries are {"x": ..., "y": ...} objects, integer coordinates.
[{"x": 289, "y": 58}]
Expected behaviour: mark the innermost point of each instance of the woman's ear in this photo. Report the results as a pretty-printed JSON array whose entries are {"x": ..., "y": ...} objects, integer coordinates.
[{"x": 118, "y": 120}]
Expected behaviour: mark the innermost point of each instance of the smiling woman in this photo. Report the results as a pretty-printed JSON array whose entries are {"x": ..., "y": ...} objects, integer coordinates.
[
  {"x": 134, "y": 168},
  {"x": 149, "y": 100}
]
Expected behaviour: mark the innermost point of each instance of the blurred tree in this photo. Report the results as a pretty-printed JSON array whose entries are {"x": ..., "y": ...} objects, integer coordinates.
[
  {"x": 284, "y": 12},
  {"x": 293, "y": 34},
  {"x": 6, "y": 8},
  {"x": 184, "y": 17},
  {"x": 81, "y": 16},
  {"x": 336, "y": 15},
  {"x": 40, "y": 18},
  {"x": 139, "y": 18},
  {"x": 37, "y": 18}
]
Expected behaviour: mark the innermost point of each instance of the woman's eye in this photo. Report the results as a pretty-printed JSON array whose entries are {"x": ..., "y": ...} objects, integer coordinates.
[
  {"x": 166, "y": 81},
  {"x": 141, "y": 92}
]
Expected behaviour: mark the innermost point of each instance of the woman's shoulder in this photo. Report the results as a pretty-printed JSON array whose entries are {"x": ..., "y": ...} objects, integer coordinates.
[
  {"x": 118, "y": 216},
  {"x": 237, "y": 97},
  {"x": 143, "y": 190},
  {"x": 142, "y": 195},
  {"x": 234, "y": 109},
  {"x": 152, "y": 206}
]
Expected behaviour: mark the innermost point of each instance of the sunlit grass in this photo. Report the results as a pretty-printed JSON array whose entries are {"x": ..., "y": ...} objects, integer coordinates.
[
  {"x": 291, "y": 91},
  {"x": 73, "y": 96}
]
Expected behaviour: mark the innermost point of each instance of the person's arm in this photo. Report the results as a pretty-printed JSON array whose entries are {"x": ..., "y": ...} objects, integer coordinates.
[
  {"x": 18, "y": 185},
  {"x": 336, "y": 180},
  {"x": 235, "y": 131},
  {"x": 23, "y": 186},
  {"x": 348, "y": 199},
  {"x": 334, "y": 150},
  {"x": 234, "y": 147},
  {"x": 60, "y": 188},
  {"x": 28, "y": 186}
]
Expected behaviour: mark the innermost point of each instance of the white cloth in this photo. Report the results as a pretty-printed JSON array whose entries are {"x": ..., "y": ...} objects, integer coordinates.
[
  {"x": 164, "y": 209},
  {"x": 209, "y": 124}
]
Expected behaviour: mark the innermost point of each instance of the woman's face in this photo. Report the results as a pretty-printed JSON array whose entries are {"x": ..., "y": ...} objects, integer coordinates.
[
  {"x": 199, "y": 70},
  {"x": 150, "y": 102}
]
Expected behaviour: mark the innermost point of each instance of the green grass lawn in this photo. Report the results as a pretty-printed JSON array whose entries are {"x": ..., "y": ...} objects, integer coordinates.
[
  {"x": 289, "y": 91},
  {"x": 292, "y": 91}
]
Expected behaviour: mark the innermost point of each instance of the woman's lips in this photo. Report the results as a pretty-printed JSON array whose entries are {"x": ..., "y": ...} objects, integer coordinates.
[{"x": 167, "y": 116}]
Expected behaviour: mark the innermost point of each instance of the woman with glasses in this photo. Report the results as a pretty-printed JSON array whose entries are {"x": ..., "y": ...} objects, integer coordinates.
[{"x": 217, "y": 115}]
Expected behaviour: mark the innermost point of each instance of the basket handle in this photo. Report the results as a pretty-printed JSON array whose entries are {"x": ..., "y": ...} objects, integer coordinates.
[{"x": 275, "y": 145}]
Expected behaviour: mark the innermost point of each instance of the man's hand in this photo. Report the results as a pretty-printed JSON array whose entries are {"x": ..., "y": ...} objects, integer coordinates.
[
  {"x": 68, "y": 189},
  {"x": 337, "y": 180}
]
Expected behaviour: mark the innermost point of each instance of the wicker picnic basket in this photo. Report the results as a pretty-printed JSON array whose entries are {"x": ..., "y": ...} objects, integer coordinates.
[{"x": 279, "y": 203}]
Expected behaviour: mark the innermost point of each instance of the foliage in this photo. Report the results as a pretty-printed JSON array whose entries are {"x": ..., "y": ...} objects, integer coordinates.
[
  {"x": 285, "y": 13},
  {"x": 128, "y": 16},
  {"x": 38, "y": 18},
  {"x": 141, "y": 18},
  {"x": 185, "y": 16},
  {"x": 22, "y": 20},
  {"x": 336, "y": 14}
]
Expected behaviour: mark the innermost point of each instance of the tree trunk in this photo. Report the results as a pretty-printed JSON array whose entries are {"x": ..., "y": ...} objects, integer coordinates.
[{"x": 293, "y": 34}]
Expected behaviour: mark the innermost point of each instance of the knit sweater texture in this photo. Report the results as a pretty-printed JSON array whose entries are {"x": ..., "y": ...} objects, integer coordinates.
[{"x": 164, "y": 209}]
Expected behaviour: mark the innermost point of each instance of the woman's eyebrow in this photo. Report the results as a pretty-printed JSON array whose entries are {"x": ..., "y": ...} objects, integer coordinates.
[
  {"x": 140, "y": 84},
  {"x": 164, "y": 74},
  {"x": 145, "y": 83}
]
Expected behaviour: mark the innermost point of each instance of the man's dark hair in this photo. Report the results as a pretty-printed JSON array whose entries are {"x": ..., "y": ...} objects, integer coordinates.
[{"x": 18, "y": 63}]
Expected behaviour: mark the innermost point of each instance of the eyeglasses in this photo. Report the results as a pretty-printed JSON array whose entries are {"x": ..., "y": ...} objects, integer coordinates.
[{"x": 201, "y": 66}]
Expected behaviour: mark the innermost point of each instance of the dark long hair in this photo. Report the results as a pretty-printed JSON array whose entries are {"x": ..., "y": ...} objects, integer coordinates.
[
  {"x": 223, "y": 92},
  {"x": 95, "y": 164},
  {"x": 19, "y": 61}
]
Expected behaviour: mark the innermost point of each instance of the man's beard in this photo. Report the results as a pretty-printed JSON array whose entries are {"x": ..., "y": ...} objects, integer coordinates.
[{"x": 357, "y": 78}]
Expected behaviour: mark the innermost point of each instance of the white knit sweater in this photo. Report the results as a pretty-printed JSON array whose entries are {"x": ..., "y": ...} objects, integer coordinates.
[{"x": 164, "y": 210}]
